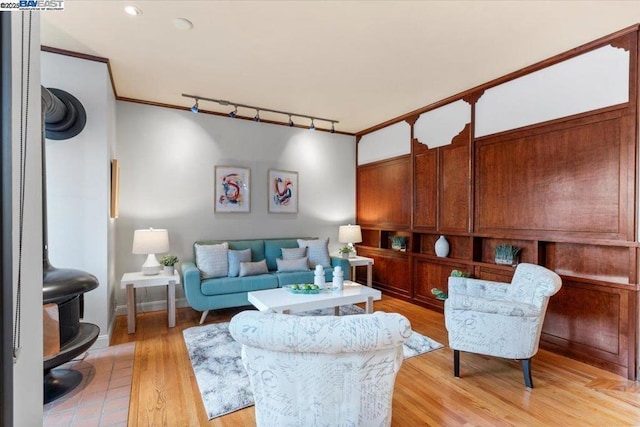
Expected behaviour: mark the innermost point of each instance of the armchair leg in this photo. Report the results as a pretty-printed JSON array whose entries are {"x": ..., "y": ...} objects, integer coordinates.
[
  {"x": 204, "y": 316},
  {"x": 526, "y": 371},
  {"x": 456, "y": 363}
]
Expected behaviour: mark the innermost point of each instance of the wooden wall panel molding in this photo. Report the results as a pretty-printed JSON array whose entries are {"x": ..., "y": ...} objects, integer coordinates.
[
  {"x": 428, "y": 275},
  {"x": 391, "y": 272},
  {"x": 592, "y": 323},
  {"x": 454, "y": 184},
  {"x": 425, "y": 179},
  {"x": 384, "y": 193},
  {"x": 570, "y": 179}
]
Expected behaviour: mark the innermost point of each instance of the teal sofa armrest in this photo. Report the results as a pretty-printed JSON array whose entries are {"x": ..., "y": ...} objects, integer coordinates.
[
  {"x": 192, "y": 290},
  {"x": 344, "y": 263}
]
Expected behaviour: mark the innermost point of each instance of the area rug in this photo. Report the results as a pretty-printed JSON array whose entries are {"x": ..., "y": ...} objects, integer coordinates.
[{"x": 223, "y": 382}]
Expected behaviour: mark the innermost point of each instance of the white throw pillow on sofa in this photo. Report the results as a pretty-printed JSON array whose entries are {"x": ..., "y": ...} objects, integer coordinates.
[
  {"x": 317, "y": 251},
  {"x": 298, "y": 264},
  {"x": 293, "y": 253},
  {"x": 235, "y": 258},
  {"x": 212, "y": 260},
  {"x": 253, "y": 268}
]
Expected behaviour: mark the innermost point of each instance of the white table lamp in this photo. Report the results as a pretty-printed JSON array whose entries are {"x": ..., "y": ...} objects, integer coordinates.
[
  {"x": 150, "y": 242},
  {"x": 350, "y": 234}
]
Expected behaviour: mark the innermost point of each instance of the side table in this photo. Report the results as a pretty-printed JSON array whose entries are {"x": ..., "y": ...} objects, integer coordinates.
[
  {"x": 132, "y": 281},
  {"x": 358, "y": 261}
]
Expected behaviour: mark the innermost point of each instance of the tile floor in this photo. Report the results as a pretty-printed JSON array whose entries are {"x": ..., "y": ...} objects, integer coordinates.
[{"x": 102, "y": 398}]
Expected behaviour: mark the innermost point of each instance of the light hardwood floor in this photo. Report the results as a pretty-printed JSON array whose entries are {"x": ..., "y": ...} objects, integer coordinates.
[{"x": 490, "y": 391}]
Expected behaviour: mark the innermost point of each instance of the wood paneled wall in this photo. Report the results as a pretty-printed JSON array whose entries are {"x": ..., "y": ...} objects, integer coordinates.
[{"x": 565, "y": 191}]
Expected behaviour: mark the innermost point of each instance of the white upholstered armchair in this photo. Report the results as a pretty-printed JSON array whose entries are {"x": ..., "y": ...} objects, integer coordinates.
[
  {"x": 500, "y": 319},
  {"x": 322, "y": 370}
]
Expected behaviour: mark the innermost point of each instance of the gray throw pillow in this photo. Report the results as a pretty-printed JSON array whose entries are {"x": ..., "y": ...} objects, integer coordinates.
[
  {"x": 235, "y": 258},
  {"x": 253, "y": 268},
  {"x": 211, "y": 260},
  {"x": 293, "y": 253},
  {"x": 317, "y": 251},
  {"x": 299, "y": 264}
]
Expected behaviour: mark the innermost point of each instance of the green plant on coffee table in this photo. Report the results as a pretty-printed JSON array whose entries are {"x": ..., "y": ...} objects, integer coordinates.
[
  {"x": 169, "y": 260},
  {"x": 507, "y": 254}
]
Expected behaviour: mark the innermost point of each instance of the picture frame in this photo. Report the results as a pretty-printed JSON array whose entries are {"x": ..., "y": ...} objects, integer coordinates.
[
  {"x": 282, "y": 191},
  {"x": 232, "y": 189}
]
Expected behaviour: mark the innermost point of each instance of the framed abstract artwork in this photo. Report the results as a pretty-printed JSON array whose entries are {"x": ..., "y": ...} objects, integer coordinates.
[
  {"x": 282, "y": 191},
  {"x": 232, "y": 189}
]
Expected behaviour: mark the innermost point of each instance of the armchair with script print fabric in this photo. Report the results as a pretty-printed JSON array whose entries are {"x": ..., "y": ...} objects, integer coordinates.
[
  {"x": 500, "y": 319},
  {"x": 321, "y": 370}
]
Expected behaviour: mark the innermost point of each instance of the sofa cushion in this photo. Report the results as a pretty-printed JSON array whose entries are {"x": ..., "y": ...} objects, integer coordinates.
[
  {"x": 212, "y": 260},
  {"x": 234, "y": 285},
  {"x": 317, "y": 251},
  {"x": 298, "y": 264},
  {"x": 253, "y": 268},
  {"x": 294, "y": 253},
  {"x": 235, "y": 258}
]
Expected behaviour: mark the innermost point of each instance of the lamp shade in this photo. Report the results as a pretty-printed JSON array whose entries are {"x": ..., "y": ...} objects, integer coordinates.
[
  {"x": 150, "y": 241},
  {"x": 349, "y": 234}
]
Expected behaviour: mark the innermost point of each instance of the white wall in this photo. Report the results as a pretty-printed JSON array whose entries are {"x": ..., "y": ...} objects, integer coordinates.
[
  {"x": 78, "y": 183},
  {"x": 27, "y": 371},
  {"x": 167, "y": 160}
]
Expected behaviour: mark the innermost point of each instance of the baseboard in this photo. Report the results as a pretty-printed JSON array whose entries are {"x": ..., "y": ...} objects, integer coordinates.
[{"x": 148, "y": 306}]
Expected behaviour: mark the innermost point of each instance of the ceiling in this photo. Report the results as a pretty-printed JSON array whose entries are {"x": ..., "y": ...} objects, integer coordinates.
[{"x": 358, "y": 62}]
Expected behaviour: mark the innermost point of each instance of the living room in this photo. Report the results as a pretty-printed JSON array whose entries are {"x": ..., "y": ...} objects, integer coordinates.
[{"x": 167, "y": 157}]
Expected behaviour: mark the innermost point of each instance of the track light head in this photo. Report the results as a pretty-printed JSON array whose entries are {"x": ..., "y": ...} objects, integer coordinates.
[
  {"x": 234, "y": 113},
  {"x": 257, "y": 116},
  {"x": 312, "y": 127},
  {"x": 333, "y": 129},
  {"x": 290, "y": 121},
  {"x": 195, "y": 107}
]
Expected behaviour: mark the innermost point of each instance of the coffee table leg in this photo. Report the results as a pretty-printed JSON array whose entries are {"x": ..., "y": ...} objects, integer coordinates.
[
  {"x": 171, "y": 303},
  {"x": 369, "y": 307},
  {"x": 131, "y": 308},
  {"x": 336, "y": 311}
]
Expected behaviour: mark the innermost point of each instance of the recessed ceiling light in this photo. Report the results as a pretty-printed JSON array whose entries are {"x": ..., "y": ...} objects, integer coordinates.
[
  {"x": 132, "y": 10},
  {"x": 182, "y": 24}
]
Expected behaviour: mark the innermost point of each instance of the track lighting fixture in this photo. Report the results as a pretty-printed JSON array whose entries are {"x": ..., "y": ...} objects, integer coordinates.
[{"x": 256, "y": 118}]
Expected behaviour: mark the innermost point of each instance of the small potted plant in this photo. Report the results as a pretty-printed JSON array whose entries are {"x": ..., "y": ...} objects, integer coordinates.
[
  {"x": 346, "y": 251},
  {"x": 399, "y": 243},
  {"x": 507, "y": 254},
  {"x": 169, "y": 261}
]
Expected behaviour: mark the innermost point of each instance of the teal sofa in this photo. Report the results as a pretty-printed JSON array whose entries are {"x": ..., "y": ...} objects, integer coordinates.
[{"x": 223, "y": 292}]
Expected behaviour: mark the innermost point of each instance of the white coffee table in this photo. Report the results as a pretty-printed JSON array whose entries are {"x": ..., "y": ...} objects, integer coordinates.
[{"x": 282, "y": 300}]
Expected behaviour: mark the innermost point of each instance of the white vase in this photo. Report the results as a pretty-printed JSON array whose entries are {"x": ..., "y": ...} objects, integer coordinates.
[{"x": 442, "y": 247}]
